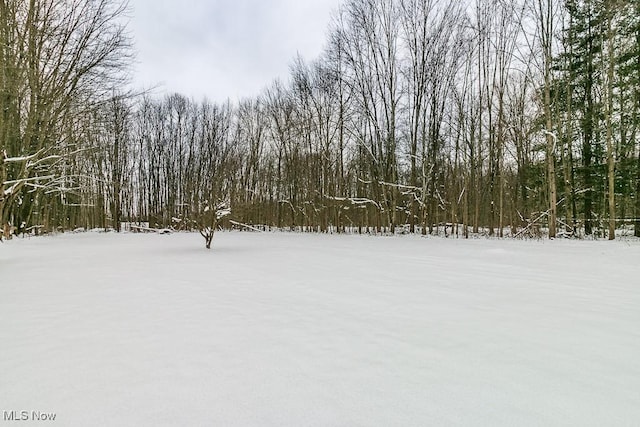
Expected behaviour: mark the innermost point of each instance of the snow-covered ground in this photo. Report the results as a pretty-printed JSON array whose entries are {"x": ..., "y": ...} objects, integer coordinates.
[{"x": 315, "y": 330}]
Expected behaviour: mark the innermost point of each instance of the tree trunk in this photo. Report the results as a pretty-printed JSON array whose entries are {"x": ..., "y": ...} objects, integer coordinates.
[{"x": 609, "y": 119}]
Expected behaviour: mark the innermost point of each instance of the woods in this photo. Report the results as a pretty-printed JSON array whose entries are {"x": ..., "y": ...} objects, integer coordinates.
[
  {"x": 505, "y": 118},
  {"x": 59, "y": 62}
]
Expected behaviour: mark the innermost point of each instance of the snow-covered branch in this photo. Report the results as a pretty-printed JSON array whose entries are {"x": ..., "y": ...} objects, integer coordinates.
[
  {"x": 42, "y": 160},
  {"x": 355, "y": 200},
  {"x": 14, "y": 184},
  {"x": 552, "y": 135},
  {"x": 20, "y": 159}
]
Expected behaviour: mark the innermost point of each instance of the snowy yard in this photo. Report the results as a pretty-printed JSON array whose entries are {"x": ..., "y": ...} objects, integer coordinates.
[{"x": 315, "y": 330}]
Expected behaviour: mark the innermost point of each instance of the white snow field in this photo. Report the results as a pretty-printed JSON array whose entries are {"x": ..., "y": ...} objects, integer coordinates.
[{"x": 278, "y": 329}]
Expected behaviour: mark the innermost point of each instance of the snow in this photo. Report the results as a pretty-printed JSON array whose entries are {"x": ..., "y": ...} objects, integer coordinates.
[
  {"x": 279, "y": 329},
  {"x": 17, "y": 159}
]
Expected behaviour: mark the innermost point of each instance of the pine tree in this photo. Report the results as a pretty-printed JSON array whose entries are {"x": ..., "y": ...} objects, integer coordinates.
[
  {"x": 582, "y": 77},
  {"x": 629, "y": 89}
]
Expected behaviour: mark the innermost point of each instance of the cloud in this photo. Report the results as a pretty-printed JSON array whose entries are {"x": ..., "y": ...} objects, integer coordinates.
[{"x": 224, "y": 49}]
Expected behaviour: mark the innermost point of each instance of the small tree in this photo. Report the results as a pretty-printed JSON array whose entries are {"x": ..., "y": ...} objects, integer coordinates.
[{"x": 209, "y": 218}]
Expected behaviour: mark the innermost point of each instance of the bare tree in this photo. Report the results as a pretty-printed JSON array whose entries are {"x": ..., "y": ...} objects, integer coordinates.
[
  {"x": 208, "y": 221},
  {"x": 546, "y": 16},
  {"x": 58, "y": 60}
]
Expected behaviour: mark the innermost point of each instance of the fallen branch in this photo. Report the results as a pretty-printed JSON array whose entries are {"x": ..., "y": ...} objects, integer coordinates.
[
  {"x": 532, "y": 223},
  {"x": 245, "y": 225},
  {"x": 151, "y": 230}
]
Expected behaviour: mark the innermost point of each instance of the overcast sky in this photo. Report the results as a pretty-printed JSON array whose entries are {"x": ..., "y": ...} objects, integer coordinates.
[{"x": 223, "y": 48}]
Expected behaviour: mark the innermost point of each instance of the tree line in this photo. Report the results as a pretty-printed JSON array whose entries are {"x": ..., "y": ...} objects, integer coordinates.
[{"x": 496, "y": 117}]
